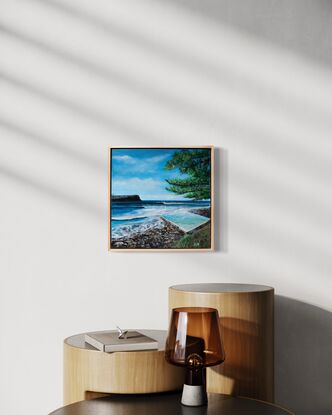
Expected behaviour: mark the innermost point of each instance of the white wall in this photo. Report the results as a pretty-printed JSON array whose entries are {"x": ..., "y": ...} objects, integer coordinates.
[{"x": 77, "y": 76}]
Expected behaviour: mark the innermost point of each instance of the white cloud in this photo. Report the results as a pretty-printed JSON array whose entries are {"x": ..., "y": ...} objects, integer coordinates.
[
  {"x": 139, "y": 164},
  {"x": 156, "y": 159},
  {"x": 125, "y": 159}
]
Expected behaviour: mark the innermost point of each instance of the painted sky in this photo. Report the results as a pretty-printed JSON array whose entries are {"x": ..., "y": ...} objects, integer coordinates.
[{"x": 141, "y": 171}]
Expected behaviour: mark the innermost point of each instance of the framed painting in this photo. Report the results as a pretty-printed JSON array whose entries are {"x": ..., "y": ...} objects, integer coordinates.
[{"x": 161, "y": 198}]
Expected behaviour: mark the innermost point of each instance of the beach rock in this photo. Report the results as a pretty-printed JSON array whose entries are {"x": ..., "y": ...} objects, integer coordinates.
[{"x": 202, "y": 211}]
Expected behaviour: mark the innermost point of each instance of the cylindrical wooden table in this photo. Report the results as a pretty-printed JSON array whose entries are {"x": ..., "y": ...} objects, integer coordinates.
[
  {"x": 89, "y": 373},
  {"x": 169, "y": 404},
  {"x": 247, "y": 326}
]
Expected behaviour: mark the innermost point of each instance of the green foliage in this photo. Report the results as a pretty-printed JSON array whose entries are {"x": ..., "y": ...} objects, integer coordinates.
[
  {"x": 195, "y": 164},
  {"x": 198, "y": 239}
]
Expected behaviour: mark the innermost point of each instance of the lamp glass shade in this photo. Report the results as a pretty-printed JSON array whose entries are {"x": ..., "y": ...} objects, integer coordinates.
[{"x": 194, "y": 338}]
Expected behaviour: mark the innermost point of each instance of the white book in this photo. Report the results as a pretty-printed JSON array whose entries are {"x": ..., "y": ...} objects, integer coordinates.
[{"x": 108, "y": 341}]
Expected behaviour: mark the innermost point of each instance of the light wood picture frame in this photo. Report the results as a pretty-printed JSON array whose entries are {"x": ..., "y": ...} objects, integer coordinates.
[{"x": 161, "y": 199}]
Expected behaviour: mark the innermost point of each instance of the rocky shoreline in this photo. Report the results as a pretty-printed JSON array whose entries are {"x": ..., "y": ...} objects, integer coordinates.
[
  {"x": 164, "y": 237},
  {"x": 202, "y": 211}
]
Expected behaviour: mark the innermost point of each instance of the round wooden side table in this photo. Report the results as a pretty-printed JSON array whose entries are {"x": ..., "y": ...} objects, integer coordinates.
[
  {"x": 169, "y": 404},
  {"x": 89, "y": 373},
  {"x": 247, "y": 326}
]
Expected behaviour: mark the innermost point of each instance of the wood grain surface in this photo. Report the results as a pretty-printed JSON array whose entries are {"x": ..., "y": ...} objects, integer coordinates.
[{"x": 89, "y": 373}]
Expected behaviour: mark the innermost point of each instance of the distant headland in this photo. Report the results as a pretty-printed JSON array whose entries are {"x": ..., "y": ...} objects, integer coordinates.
[{"x": 126, "y": 198}]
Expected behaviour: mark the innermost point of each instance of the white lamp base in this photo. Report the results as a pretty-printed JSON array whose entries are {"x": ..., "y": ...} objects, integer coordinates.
[{"x": 194, "y": 395}]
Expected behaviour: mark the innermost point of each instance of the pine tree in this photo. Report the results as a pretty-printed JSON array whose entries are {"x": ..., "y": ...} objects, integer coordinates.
[{"x": 195, "y": 164}]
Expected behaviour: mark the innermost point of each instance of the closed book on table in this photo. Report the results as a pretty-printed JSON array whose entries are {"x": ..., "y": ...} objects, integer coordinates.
[{"x": 108, "y": 341}]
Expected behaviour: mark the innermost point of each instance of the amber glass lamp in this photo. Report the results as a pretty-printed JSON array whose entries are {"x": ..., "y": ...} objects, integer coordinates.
[{"x": 194, "y": 342}]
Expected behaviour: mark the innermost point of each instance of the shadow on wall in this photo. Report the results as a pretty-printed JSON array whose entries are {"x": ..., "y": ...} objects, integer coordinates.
[
  {"x": 303, "y": 357},
  {"x": 300, "y": 26},
  {"x": 221, "y": 199}
]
